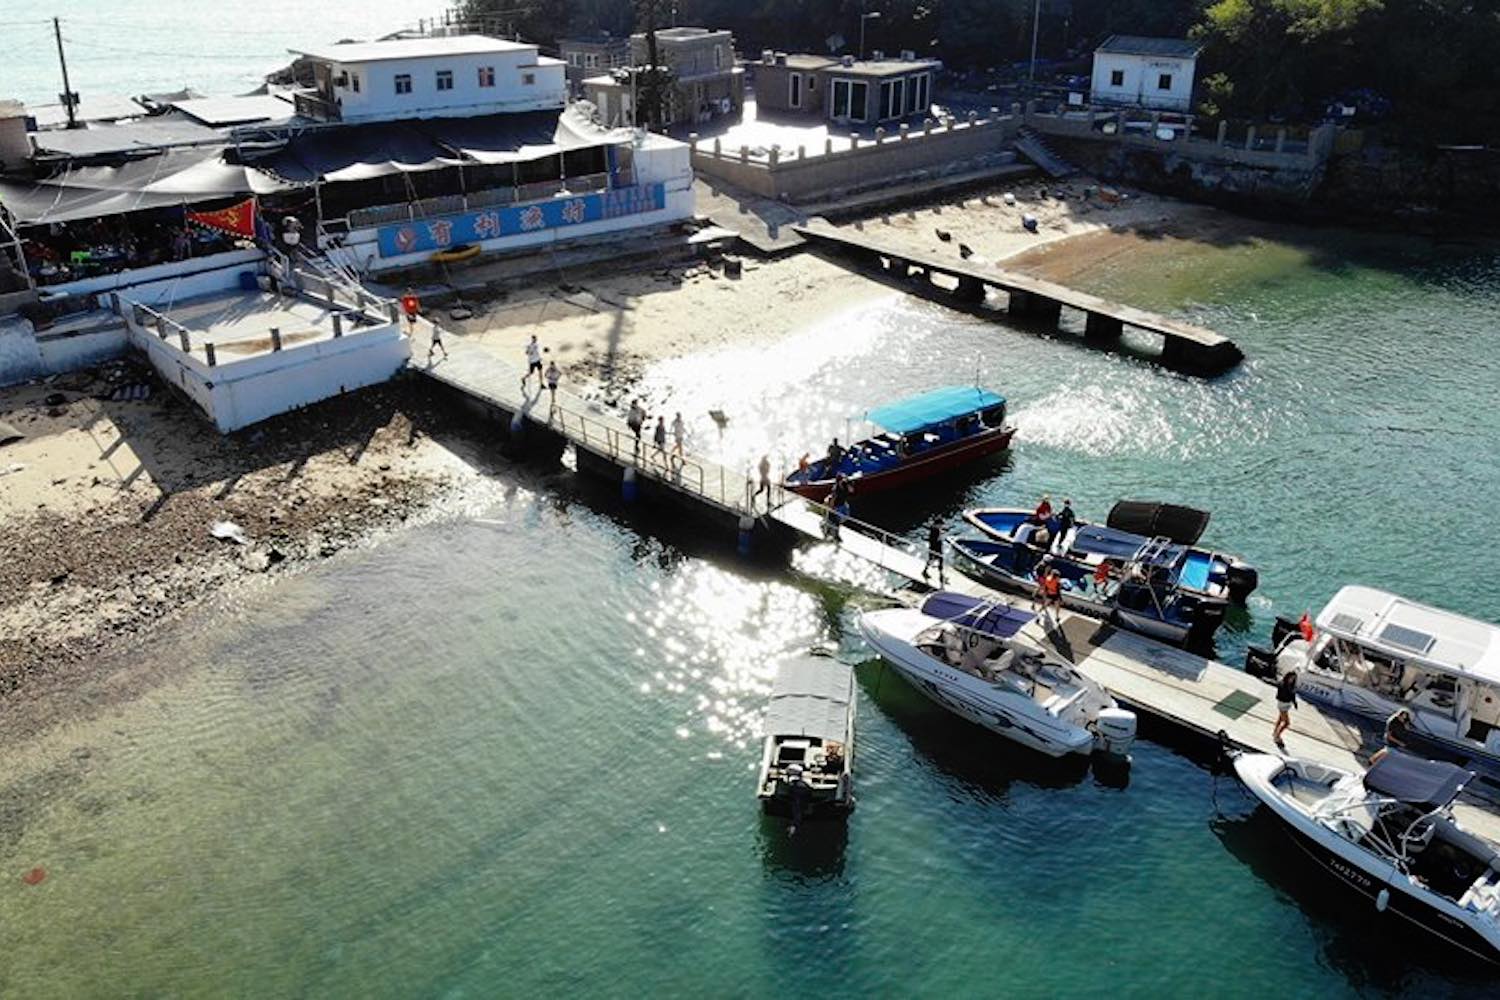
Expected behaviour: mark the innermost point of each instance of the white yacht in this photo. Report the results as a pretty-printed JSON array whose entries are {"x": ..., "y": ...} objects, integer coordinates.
[
  {"x": 807, "y": 766},
  {"x": 1373, "y": 653},
  {"x": 1390, "y": 835},
  {"x": 963, "y": 653}
]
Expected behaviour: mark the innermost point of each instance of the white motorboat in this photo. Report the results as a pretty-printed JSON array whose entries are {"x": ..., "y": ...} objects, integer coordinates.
[
  {"x": 1390, "y": 835},
  {"x": 807, "y": 766},
  {"x": 964, "y": 654},
  {"x": 1373, "y": 653}
]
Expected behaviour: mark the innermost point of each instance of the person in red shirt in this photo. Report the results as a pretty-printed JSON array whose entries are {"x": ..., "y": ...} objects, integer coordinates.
[
  {"x": 1049, "y": 587},
  {"x": 1044, "y": 509},
  {"x": 411, "y": 306}
]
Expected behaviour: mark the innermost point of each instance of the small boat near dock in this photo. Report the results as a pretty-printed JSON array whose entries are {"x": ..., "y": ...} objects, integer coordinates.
[
  {"x": 1142, "y": 569},
  {"x": 1373, "y": 653},
  {"x": 1391, "y": 836},
  {"x": 807, "y": 765},
  {"x": 963, "y": 653},
  {"x": 919, "y": 437}
]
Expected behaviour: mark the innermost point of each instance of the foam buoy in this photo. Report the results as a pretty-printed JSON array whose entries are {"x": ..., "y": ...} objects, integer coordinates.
[
  {"x": 747, "y": 529},
  {"x": 627, "y": 484},
  {"x": 35, "y": 876},
  {"x": 1383, "y": 900}
]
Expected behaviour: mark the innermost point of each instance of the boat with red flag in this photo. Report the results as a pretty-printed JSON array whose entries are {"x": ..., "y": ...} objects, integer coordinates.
[{"x": 919, "y": 437}]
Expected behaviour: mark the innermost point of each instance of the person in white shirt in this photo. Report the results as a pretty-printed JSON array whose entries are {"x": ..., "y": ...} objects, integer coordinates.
[
  {"x": 533, "y": 362},
  {"x": 679, "y": 434}
]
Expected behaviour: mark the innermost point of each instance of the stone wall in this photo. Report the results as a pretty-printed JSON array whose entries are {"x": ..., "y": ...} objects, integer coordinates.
[{"x": 878, "y": 158}]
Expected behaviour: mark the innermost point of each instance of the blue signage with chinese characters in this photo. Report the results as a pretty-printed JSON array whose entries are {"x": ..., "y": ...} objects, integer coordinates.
[{"x": 424, "y": 235}]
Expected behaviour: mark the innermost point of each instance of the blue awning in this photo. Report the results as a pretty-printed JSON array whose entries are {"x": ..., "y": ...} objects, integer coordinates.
[
  {"x": 935, "y": 407},
  {"x": 1426, "y": 783},
  {"x": 996, "y": 620}
]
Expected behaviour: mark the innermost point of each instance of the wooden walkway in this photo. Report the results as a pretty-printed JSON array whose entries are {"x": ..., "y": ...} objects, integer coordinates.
[{"x": 1184, "y": 345}]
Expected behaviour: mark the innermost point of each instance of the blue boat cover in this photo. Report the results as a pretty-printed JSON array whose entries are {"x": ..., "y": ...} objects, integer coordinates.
[
  {"x": 975, "y": 613},
  {"x": 935, "y": 407},
  {"x": 1413, "y": 780},
  {"x": 1108, "y": 542}
]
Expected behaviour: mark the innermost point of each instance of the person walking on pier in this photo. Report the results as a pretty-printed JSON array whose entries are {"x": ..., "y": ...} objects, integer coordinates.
[
  {"x": 1049, "y": 588},
  {"x": 436, "y": 345},
  {"x": 1286, "y": 700},
  {"x": 765, "y": 482},
  {"x": 634, "y": 420},
  {"x": 679, "y": 435},
  {"x": 934, "y": 552},
  {"x": 554, "y": 376},
  {"x": 659, "y": 439},
  {"x": 533, "y": 363}
]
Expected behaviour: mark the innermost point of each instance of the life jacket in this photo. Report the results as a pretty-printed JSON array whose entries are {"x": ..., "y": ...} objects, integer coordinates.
[{"x": 1051, "y": 583}]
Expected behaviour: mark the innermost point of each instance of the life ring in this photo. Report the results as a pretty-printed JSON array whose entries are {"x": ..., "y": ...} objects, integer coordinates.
[{"x": 462, "y": 252}]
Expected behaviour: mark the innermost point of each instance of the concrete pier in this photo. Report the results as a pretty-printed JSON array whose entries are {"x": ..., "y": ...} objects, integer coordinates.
[{"x": 1035, "y": 302}]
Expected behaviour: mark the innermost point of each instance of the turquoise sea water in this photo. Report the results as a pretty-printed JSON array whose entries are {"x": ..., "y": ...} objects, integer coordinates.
[{"x": 514, "y": 755}]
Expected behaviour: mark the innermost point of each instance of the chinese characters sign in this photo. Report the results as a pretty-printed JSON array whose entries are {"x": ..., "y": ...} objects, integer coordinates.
[{"x": 473, "y": 227}]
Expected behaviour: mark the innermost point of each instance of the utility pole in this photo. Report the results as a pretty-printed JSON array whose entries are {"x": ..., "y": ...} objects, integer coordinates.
[
  {"x": 69, "y": 99},
  {"x": 1036, "y": 24}
]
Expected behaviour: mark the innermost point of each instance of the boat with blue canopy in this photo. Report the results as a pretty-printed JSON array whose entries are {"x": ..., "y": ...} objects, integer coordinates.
[
  {"x": 1161, "y": 585},
  {"x": 919, "y": 437}
]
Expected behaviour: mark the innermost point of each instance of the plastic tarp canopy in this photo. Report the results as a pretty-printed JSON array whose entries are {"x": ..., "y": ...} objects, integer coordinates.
[
  {"x": 360, "y": 152},
  {"x": 1415, "y": 781},
  {"x": 136, "y": 137},
  {"x": 935, "y": 407},
  {"x": 811, "y": 697},
  {"x": 999, "y": 621},
  {"x": 180, "y": 177},
  {"x": 1183, "y": 525}
]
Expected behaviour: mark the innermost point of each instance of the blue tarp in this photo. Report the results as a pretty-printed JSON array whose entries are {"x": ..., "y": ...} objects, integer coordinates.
[
  {"x": 1426, "y": 783},
  {"x": 933, "y": 407},
  {"x": 983, "y": 616},
  {"x": 1107, "y": 542}
]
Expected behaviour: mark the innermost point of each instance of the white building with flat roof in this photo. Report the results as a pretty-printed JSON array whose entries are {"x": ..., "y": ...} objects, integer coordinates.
[
  {"x": 444, "y": 77},
  {"x": 1145, "y": 72}
]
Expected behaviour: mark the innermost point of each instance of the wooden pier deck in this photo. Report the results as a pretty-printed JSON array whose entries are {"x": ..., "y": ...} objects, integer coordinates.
[{"x": 1184, "y": 345}]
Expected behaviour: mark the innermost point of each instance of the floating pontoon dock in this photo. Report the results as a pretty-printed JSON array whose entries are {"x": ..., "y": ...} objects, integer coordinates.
[{"x": 1184, "y": 345}]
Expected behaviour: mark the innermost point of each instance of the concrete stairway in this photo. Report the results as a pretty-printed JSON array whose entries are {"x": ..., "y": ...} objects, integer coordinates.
[{"x": 1035, "y": 149}]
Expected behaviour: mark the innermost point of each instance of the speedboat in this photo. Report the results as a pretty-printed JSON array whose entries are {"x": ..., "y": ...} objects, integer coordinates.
[
  {"x": 963, "y": 653},
  {"x": 919, "y": 437},
  {"x": 1373, "y": 653},
  {"x": 1142, "y": 569},
  {"x": 807, "y": 766},
  {"x": 1391, "y": 836}
]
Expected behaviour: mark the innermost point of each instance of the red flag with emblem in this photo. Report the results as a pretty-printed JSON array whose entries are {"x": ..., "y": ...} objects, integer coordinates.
[{"x": 237, "y": 220}]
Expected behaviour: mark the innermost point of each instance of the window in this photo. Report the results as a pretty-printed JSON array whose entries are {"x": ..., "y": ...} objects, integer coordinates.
[
  {"x": 591, "y": 60},
  {"x": 354, "y": 82},
  {"x": 718, "y": 57},
  {"x": 527, "y": 79},
  {"x": 575, "y": 59},
  {"x": 812, "y": 81},
  {"x": 486, "y": 76},
  {"x": 892, "y": 98},
  {"x": 403, "y": 83},
  {"x": 1164, "y": 82},
  {"x": 916, "y": 93},
  {"x": 445, "y": 79},
  {"x": 1117, "y": 78},
  {"x": 795, "y": 97}
]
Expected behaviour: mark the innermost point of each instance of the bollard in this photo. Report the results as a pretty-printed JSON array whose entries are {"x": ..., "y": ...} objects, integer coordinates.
[
  {"x": 747, "y": 529},
  {"x": 208, "y": 349},
  {"x": 828, "y": 147},
  {"x": 774, "y": 156},
  {"x": 338, "y": 324},
  {"x": 275, "y": 338},
  {"x": 161, "y": 327},
  {"x": 879, "y": 135},
  {"x": 627, "y": 484},
  {"x": 744, "y": 154},
  {"x": 182, "y": 338},
  {"x": 718, "y": 151},
  {"x": 853, "y": 140},
  {"x": 905, "y": 131},
  {"x": 801, "y": 152}
]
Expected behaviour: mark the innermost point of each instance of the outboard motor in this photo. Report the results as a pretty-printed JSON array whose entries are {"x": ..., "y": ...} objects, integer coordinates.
[
  {"x": 1260, "y": 661},
  {"x": 1114, "y": 731},
  {"x": 1241, "y": 579}
]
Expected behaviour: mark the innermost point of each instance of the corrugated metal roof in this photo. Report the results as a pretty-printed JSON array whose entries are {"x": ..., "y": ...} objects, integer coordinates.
[{"x": 1142, "y": 45}]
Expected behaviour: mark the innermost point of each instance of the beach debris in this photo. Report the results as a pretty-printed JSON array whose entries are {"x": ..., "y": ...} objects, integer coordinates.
[
  {"x": 943, "y": 235},
  {"x": 55, "y": 399},
  {"x": 131, "y": 393},
  {"x": 460, "y": 312},
  {"x": 13, "y": 467},
  {"x": 8, "y": 433},
  {"x": 1009, "y": 198},
  {"x": 732, "y": 267},
  {"x": 35, "y": 877},
  {"x": 228, "y": 531},
  {"x": 965, "y": 251},
  {"x": 1028, "y": 223}
]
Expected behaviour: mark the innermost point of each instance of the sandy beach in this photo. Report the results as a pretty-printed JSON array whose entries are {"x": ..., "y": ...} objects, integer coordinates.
[{"x": 108, "y": 506}]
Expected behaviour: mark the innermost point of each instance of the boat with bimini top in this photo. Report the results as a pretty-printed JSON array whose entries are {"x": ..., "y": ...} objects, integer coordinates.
[
  {"x": 919, "y": 437},
  {"x": 1142, "y": 569},
  {"x": 1374, "y": 654},
  {"x": 964, "y": 654},
  {"x": 807, "y": 764},
  {"x": 1391, "y": 836}
]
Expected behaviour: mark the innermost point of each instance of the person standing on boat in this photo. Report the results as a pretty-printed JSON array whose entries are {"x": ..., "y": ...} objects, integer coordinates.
[
  {"x": 554, "y": 376},
  {"x": 835, "y": 458},
  {"x": 1065, "y": 521},
  {"x": 1398, "y": 730},
  {"x": 1286, "y": 700},
  {"x": 765, "y": 482},
  {"x": 1043, "y": 509},
  {"x": 934, "y": 551}
]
